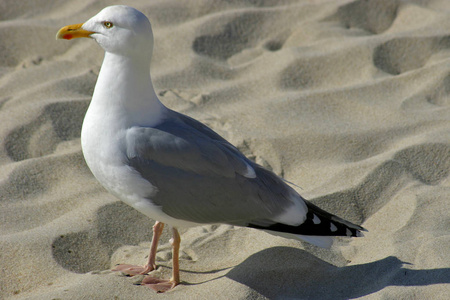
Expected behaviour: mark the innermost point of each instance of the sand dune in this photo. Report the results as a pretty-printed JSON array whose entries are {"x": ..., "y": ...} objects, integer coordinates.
[{"x": 348, "y": 99}]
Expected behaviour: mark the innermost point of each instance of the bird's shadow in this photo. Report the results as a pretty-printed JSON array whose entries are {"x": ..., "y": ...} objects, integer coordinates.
[{"x": 284, "y": 272}]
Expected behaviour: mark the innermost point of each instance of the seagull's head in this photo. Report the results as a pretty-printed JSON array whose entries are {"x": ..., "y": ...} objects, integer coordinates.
[{"x": 117, "y": 29}]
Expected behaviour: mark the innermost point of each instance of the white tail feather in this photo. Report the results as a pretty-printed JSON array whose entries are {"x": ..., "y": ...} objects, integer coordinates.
[{"x": 319, "y": 241}]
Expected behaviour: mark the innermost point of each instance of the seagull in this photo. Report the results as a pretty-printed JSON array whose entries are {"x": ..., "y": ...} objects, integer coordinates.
[{"x": 170, "y": 167}]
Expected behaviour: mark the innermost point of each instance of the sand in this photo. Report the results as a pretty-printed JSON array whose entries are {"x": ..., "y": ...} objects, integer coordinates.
[{"x": 350, "y": 100}]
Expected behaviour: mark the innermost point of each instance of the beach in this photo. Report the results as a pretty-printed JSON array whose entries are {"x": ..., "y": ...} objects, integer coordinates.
[{"x": 348, "y": 100}]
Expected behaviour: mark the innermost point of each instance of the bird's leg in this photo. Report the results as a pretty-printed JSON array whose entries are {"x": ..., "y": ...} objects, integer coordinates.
[
  {"x": 151, "y": 264},
  {"x": 157, "y": 231},
  {"x": 161, "y": 285},
  {"x": 175, "y": 257}
]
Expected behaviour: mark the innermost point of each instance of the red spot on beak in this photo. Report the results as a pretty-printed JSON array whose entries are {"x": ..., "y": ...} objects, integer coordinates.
[{"x": 68, "y": 36}]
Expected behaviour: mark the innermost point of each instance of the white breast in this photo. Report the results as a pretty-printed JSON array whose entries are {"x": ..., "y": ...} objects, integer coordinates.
[{"x": 103, "y": 145}]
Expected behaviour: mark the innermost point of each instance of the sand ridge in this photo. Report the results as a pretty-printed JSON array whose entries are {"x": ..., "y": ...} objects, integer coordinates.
[{"x": 350, "y": 100}]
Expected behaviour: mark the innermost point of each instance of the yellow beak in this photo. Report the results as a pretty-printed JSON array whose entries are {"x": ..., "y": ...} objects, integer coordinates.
[{"x": 72, "y": 32}]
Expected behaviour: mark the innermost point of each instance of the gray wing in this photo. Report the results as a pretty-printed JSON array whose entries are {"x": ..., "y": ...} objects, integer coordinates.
[{"x": 202, "y": 178}]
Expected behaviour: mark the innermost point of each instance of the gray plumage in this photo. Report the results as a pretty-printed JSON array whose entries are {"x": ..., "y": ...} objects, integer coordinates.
[{"x": 202, "y": 178}]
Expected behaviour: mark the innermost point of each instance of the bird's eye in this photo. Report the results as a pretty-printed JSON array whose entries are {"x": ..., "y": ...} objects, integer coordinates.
[{"x": 108, "y": 24}]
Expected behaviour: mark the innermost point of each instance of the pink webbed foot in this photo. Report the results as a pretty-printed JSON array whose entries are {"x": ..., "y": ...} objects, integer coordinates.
[
  {"x": 132, "y": 270},
  {"x": 159, "y": 285}
]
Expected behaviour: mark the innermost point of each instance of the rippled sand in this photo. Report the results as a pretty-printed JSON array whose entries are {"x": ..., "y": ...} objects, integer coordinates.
[{"x": 348, "y": 99}]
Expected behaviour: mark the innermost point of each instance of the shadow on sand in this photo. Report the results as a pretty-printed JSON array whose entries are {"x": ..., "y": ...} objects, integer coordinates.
[{"x": 283, "y": 272}]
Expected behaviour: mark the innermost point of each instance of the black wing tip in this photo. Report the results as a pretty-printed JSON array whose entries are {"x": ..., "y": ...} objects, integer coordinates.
[
  {"x": 318, "y": 222},
  {"x": 327, "y": 227},
  {"x": 354, "y": 226}
]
